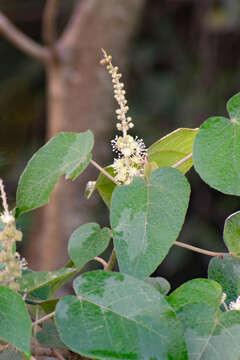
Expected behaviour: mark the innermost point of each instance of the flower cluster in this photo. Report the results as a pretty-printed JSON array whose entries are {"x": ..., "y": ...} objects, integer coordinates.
[
  {"x": 131, "y": 151},
  {"x": 235, "y": 305},
  {"x": 10, "y": 264}
]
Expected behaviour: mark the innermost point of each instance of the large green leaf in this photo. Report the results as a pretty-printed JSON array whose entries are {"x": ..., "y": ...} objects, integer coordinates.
[
  {"x": 231, "y": 233},
  {"x": 210, "y": 335},
  {"x": 86, "y": 242},
  {"x": 226, "y": 272},
  {"x": 194, "y": 291},
  {"x": 146, "y": 218},
  {"x": 216, "y": 151},
  {"x": 172, "y": 148},
  {"x": 15, "y": 323},
  {"x": 33, "y": 280},
  {"x": 66, "y": 153},
  {"x": 116, "y": 316}
]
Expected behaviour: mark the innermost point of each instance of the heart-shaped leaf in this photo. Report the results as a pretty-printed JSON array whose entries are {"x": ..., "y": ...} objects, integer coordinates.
[
  {"x": 146, "y": 218},
  {"x": 226, "y": 272},
  {"x": 15, "y": 323},
  {"x": 66, "y": 153},
  {"x": 105, "y": 186},
  {"x": 173, "y": 148},
  {"x": 195, "y": 291},
  {"x": 160, "y": 284},
  {"x": 116, "y": 316},
  {"x": 86, "y": 242},
  {"x": 210, "y": 335},
  {"x": 231, "y": 233},
  {"x": 216, "y": 151}
]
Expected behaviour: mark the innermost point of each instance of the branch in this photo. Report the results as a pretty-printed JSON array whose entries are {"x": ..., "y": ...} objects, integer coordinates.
[
  {"x": 43, "y": 319},
  {"x": 49, "y": 33},
  {"x": 100, "y": 260},
  {"x": 22, "y": 41},
  {"x": 201, "y": 251},
  {"x": 76, "y": 23}
]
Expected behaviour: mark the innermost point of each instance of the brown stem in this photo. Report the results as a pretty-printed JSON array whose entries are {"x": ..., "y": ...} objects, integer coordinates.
[
  {"x": 49, "y": 33},
  {"x": 199, "y": 250},
  {"x": 103, "y": 171},
  {"x": 180, "y": 162},
  {"x": 22, "y": 41},
  {"x": 112, "y": 261},
  {"x": 58, "y": 354},
  {"x": 43, "y": 319}
]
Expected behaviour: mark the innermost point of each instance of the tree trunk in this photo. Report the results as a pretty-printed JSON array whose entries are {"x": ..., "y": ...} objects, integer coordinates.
[{"x": 80, "y": 97}]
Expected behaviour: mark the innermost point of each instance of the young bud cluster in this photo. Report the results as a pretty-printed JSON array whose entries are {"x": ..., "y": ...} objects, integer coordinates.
[
  {"x": 10, "y": 263},
  {"x": 131, "y": 152}
]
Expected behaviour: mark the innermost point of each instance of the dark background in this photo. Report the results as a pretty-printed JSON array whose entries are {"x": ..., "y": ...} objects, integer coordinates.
[{"x": 183, "y": 67}]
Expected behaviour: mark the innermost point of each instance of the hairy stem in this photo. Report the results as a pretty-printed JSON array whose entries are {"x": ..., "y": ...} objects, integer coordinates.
[
  {"x": 43, "y": 319},
  {"x": 103, "y": 171},
  {"x": 199, "y": 250}
]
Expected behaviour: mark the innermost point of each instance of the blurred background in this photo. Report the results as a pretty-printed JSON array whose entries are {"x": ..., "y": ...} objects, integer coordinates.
[{"x": 181, "y": 63}]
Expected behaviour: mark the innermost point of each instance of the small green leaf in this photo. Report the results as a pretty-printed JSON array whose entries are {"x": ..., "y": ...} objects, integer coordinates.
[
  {"x": 66, "y": 153},
  {"x": 210, "y": 335},
  {"x": 86, "y": 242},
  {"x": 172, "y": 148},
  {"x": 231, "y": 233},
  {"x": 226, "y": 272},
  {"x": 146, "y": 218},
  {"x": 49, "y": 336},
  {"x": 105, "y": 186},
  {"x": 15, "y": 323},
  {"x": 195, "y": 291},
  {"x": 216, "y": 151},
  {"x": 159, "y": 283},
  {"x": 33, "y": 280},
  {"x": 116, "y": 316}
]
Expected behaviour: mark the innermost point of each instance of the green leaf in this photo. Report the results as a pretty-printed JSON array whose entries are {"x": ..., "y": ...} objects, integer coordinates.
[
  {"x": 210, "y": 335},
  {"x": 146, "y": 218},
  {"x": 231, "y": 233},
  {"x": 216, "y": 152},
  {"x": 15, "y": 322},
  {"x": 195, "y": 291},
  {"x": 226, "y": 272},
  {"x": 105, "y": 186},
  {"x": 49, "y": 336},
  {"x": 66, "y": 153},
  {"x": 33, "y": 280},
  {"x": 160, "y": 284},
  {"x": 86, "y": 242},
  {"x": 172, "y": 148},
  {"x": 116, "y": 316}
]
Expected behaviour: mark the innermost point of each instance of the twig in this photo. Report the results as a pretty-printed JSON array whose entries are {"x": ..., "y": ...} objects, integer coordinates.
[
  {"x": 102, "y": 261},
  {"x": 43, "y": 319},
  {"x": 199, "y": 250},
  {"x": 183, "y": 160},
  {"x": 22, "y": 41},
  {"x": 4, "y": 347},
  {"x": 58, "y": 355},
  {"x": 103, "y": 171},
  {"x": 36, "y": 319},
  {"x": 49, "y": 33},
  {"x": 112, "y": 261}
]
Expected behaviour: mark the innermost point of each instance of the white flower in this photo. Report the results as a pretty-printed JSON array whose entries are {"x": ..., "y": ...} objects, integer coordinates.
[{"x": 235, "y": 305}]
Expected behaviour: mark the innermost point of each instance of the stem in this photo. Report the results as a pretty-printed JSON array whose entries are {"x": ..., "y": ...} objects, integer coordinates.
[
  {"x": 22, "y": 41},
  {"x": 43, "y": 319},
  {"x": 183, "y": 160},
  {"x": 102, "y": 261},
  {"x": 103, "y": 171},
  {"x": 58, "y": 355},
  {"x": 199, "y": 250},
  {"x": 49, "y": 22},
  {"x": 112, "y": 261}
]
